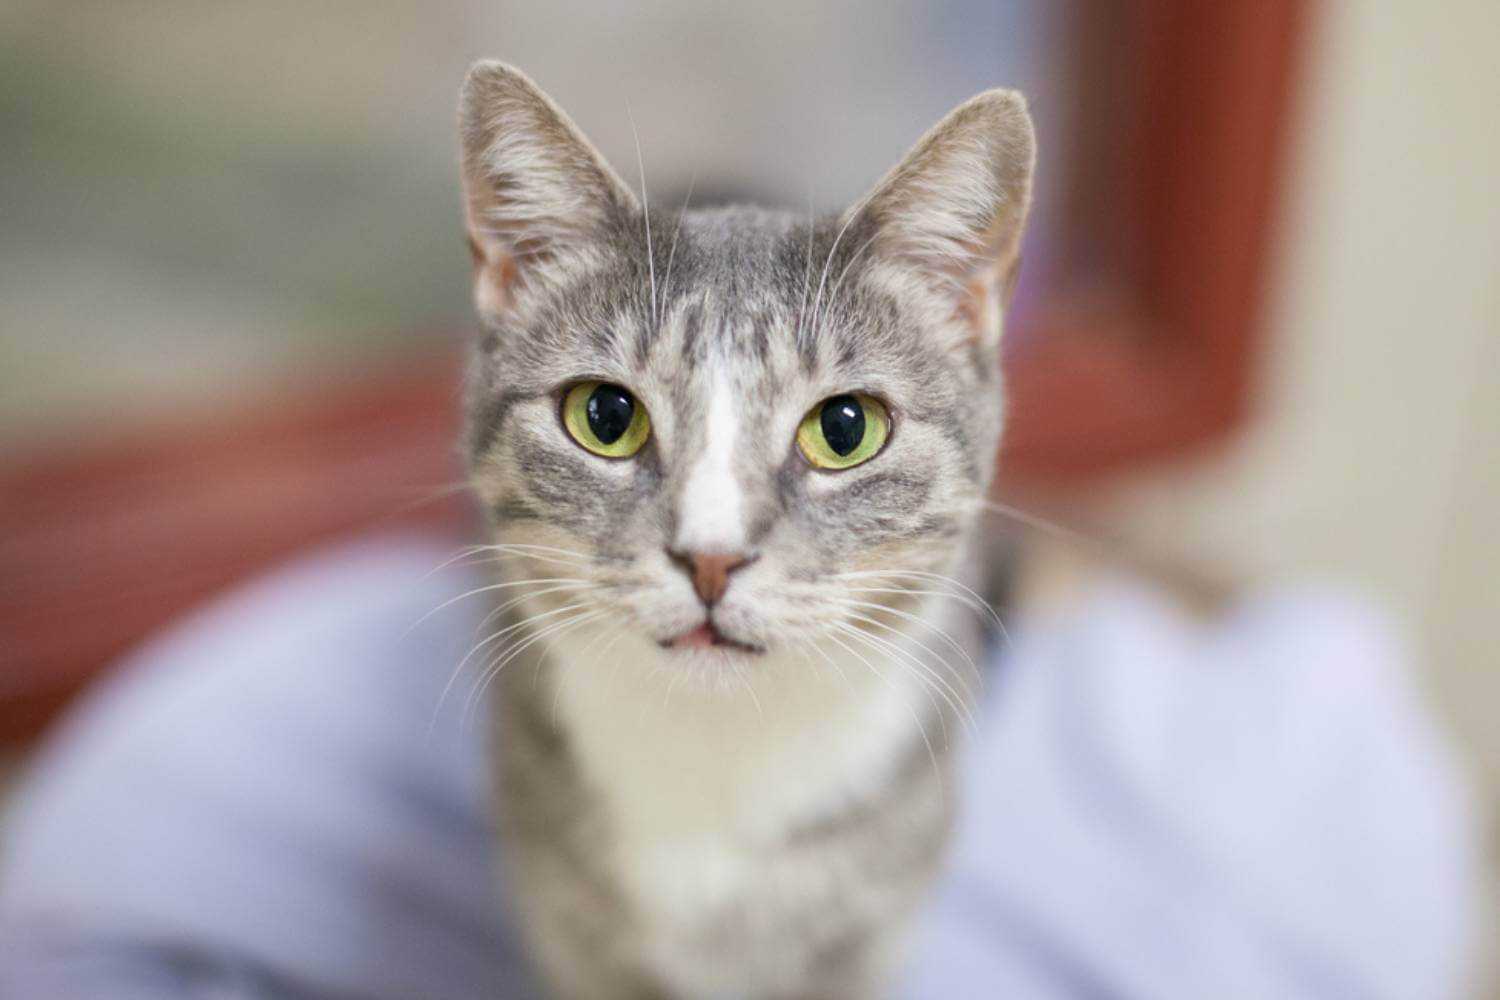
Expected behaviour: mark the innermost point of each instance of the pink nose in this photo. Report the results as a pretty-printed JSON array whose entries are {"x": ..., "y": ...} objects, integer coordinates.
[{"x": 709, "y": 571}]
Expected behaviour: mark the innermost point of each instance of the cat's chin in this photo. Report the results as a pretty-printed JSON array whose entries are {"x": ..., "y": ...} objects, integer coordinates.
[{"x": 708, "y": 637}]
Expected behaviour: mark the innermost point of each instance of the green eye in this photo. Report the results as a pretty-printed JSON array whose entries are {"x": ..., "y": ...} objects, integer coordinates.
[
  {"x": 605, "y": 419},
  {"x": 844, "y": 431}
]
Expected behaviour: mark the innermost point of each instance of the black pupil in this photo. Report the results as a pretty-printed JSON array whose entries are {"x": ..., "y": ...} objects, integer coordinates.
[
  {"x": 843, "y": 424},
  {"x": 610, "y": 409}
]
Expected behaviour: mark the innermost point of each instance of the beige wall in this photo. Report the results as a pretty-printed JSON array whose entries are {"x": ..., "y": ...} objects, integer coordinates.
[{"x": 1377, "y": 458}]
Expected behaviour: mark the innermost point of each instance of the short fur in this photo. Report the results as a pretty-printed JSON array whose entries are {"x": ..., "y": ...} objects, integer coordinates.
[{"x": 714, "y": 823}]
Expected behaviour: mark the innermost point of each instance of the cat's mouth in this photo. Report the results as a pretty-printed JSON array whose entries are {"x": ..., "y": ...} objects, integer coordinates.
[{"x": 708, "y": 636}]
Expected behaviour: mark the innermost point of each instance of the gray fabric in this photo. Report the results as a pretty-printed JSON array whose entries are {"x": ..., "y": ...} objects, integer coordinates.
[{"x": 262, "y": 803}]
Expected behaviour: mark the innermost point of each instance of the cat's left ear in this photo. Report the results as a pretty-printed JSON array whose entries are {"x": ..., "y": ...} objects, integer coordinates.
[
  {"x": 949, "y": 216},
  {"x": 538, "y": 197}
]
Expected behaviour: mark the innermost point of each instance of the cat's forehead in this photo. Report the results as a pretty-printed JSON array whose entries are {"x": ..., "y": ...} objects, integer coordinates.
[
  {"x": 773, "y": 301},
  {"x": 732, "y": 271},
  {"x": 763, "y": 291},
  {"x": 740, "y": 249}
]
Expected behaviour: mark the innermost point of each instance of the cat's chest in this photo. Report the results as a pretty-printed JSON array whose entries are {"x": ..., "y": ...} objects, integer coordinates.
[{"x": 702, "y": 787}]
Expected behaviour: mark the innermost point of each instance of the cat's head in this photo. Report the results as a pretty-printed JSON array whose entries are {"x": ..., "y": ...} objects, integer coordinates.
[{"x": 714, "y": 430}]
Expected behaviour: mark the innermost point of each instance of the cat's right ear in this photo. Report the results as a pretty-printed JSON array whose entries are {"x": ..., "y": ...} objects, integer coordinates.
[
  {"x": 947, "y": 220},
  {"x": 537, "y": 194}
]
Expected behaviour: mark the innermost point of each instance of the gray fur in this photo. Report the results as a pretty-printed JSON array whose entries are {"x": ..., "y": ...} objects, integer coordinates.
[{"x": 898, "y": 297}]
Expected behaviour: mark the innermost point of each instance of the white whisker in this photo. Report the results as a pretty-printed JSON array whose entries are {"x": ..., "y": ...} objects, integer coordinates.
[
  {"x": 924, "y": 575},
  {"x": 813, "y": 645},
  {"x": 609, "y": 636},
  {"x": 955, "y": 699},
  {"x": 507, "y": 605},
  {"x": 463, "y": 553},
  {"x": 1032, "y": 520},
  {"x": 749, "y": 689},
  {"x": 500, "y": 550},
  {"x": 931, "y": 754},
  {"x": 666, "y": 281},
  {"x": 523, "y": 548},
  {"x": 550, "y": 633},
  {"x": 963, "y": 599},
  {"x": 807, "y": 266},
  {"x": 493, "y": 669},
  {"x": 920, "y": 622},
  {"x": 913, "y": 668},
  {"x": 458, "y": 670},
  {"x": 514, "y": 626},
  {"x": 854, "y": 213},
  {"x": 817, "y": 301},
  {"x": 645, "y": 209},
  {"x": 582, "y": 584},
  {"x": 800, "y": 645},
  {"x": 834, "y": 294},
  {"x": 561, "y": 679}
]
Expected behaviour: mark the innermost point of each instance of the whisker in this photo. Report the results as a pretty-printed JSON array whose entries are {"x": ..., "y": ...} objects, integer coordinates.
[
  {"x": 931, "y": 682},
  {"x": 800, "y": 646},
  {"x": 963, "y": 599},
  {"x": 645, "y": 209},
  {"x": 991, "y": 613},
  {"x": 749, "y": 689},
  {"x": 527, "y": 547},
  {"x": 1032, "y": 520},
  {"x": 612, "y": 633},
  {"x": 463, "y": 553},
  {"x": 550, "y": 633},
  {"x": 813, "y": 645},
  {"x": 433, "y": 495},
  {"x": 817, "y": 301},
  {"x": 973, "y": 673},
  {"x": 494, "y": 586},
  {"x": 493, "y": 669},
  {"x": 603, "y": 653},
  {"x": 920, "y": 622},
  {"x": 956, "y": 700},
  {"x": 666, "y": 282},
  {"x": 507, "y": 630},
  {"x": 458, "y": 670},
  {"x": 834, "y": 294},
  {"x": 499, "y": 551},
  {"x": 926, "y": 741},
  {"x": 561, "y": 674},
  {"x": 500, "y": 609},
  {"x": 807, "y": 267}
]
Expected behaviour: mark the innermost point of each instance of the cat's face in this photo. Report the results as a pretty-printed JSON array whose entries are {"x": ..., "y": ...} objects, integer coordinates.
[{"x": 716, "y": 437}]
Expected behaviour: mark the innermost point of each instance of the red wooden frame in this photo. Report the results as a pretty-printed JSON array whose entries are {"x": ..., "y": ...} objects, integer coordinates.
[
  {"x": 1170, "y": 367},
  {"x": 100, "y": 547}
]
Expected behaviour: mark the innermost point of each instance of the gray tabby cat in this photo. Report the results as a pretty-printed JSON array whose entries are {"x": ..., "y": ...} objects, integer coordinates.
[{"x": 732, "y": 458}]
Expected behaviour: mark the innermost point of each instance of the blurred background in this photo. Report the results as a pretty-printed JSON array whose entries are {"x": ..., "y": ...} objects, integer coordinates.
[{"x": 1258, "y": 335}]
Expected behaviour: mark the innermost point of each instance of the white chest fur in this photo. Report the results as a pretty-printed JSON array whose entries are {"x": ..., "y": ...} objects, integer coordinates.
[{"x": 701, "y": 775}]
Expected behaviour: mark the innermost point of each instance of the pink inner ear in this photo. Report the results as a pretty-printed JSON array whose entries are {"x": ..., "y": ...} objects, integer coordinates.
[
  {"x": 976, "y": 306},
  {"x": 493, "y": 277}
]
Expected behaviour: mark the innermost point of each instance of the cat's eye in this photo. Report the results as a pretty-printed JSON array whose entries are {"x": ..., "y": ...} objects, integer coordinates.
[
  {"x": 605, "y": 419},
  {"x": 844, "y": 431}
]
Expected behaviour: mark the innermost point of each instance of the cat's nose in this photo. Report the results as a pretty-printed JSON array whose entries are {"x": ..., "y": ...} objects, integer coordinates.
[{"x": 709, "y": 571}]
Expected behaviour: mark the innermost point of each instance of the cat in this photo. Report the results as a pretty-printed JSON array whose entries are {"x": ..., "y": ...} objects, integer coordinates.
[{"x": 732, "y": 458}]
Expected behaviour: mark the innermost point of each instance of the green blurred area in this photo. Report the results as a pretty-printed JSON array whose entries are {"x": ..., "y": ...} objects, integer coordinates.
[{"x": 157, "y": 248}]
